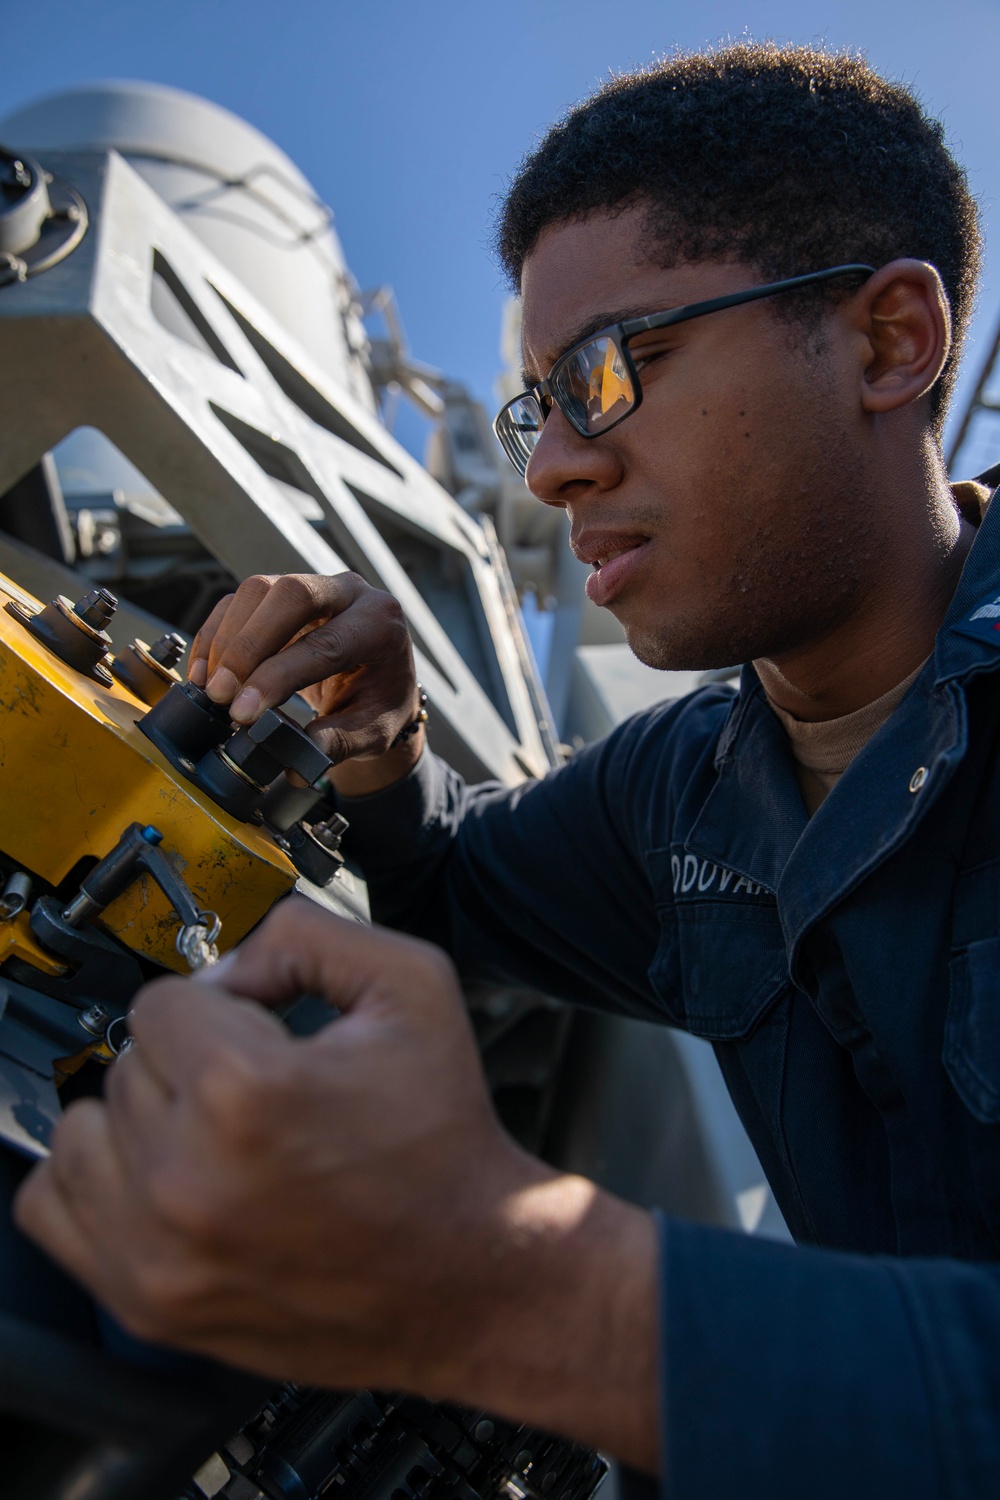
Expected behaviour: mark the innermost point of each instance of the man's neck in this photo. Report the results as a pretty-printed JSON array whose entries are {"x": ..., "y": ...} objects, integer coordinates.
[{"x": 891, "y": 631}]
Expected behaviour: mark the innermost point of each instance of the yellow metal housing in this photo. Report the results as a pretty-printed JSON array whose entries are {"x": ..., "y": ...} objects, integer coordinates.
[{"x": 75, "y": 772}]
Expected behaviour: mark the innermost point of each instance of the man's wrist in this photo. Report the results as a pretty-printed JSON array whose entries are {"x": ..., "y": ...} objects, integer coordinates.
[
  {"x": 559, "y": 1325},
  {"x": 362, "y": 777}
]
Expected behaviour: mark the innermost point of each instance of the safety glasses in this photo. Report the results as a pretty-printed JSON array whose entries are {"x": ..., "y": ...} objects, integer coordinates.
[{"x": 595, "y": 384}]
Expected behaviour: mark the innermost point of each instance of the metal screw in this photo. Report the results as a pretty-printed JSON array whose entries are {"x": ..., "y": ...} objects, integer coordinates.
[
  {"x": 96, "y": 608},
  {"x": 95, "y": 1019},
  {"x": 169, "y": 649}
]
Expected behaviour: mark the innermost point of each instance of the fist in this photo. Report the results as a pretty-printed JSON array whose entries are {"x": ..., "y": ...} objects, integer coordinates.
[{"x": 321, "y": 1209}]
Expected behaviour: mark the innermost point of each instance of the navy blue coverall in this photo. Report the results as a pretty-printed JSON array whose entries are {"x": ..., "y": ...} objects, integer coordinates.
[{"x": 847, "y": 970}]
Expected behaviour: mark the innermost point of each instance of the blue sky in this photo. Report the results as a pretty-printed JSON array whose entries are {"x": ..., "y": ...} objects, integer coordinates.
[{"x": 408, "y": 115}]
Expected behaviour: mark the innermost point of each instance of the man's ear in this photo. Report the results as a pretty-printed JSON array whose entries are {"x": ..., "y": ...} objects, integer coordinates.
[{"x": 903, "y": 314}]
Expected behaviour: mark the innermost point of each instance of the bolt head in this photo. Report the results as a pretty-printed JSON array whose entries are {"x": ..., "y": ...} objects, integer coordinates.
[
  {"x": 331, "y": 832},
  {"x": 96, "y": 608},
  {"x": 169, "y": 649},
  {"x": 95, "y": 1019}
]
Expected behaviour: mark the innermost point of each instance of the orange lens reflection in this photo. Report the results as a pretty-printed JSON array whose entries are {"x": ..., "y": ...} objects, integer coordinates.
[{"x": 609, "y": 383}]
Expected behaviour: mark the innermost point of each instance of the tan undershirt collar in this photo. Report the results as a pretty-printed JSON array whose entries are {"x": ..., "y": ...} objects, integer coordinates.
[{"x": 823, "y": 751}]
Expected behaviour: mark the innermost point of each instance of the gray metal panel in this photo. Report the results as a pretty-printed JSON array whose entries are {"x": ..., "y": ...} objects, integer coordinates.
[{"x": 644, "y": 1111}]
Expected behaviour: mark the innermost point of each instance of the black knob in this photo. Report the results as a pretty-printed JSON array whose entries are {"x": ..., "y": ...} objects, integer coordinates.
[
  {"x": 274, "y": 744},
  {"x": 184, "y": 724},
  {"x": 314, "y": 849},
  {"x": 237, "y": 774}
]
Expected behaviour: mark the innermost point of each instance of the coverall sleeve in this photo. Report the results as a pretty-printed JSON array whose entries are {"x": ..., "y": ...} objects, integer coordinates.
[
  {"x": 542, "y": 885},
  {"x": 806, "y": 1372}
]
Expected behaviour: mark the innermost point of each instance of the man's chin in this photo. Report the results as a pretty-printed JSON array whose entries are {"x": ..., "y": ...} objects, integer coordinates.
[{"x": 679, "y": 653}]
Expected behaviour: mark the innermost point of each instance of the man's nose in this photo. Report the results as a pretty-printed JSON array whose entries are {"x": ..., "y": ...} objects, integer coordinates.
[{"x": 563, "y": 465}]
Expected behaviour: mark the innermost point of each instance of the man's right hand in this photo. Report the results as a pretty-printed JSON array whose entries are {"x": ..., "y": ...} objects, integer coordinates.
[
  {"x": 345, "y": 1209},
  {"x": 342, "y": 644}
]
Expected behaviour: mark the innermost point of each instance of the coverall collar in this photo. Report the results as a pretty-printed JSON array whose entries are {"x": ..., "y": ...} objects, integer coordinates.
[{"x": 754, "y": 820}]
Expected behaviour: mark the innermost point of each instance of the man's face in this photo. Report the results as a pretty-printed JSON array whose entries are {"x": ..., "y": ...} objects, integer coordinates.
[{"x": 737, "y": 494}]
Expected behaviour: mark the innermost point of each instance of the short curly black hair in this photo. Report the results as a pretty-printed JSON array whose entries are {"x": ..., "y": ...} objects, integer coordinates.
[{"x": 788, "y": 158}]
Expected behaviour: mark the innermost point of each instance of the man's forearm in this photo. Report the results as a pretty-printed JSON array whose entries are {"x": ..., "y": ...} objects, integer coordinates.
[{"x": 562, "y": 1330}]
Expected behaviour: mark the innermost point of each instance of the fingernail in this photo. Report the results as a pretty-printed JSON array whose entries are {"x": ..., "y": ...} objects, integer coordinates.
[
  {"x": 222, "y": 685},
  {"x": 246, "y": 707},
  {"x": 198, "y": 671}
]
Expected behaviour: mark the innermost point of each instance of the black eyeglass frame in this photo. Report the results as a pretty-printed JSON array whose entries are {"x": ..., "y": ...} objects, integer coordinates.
[{"x": 546, "y": 394}]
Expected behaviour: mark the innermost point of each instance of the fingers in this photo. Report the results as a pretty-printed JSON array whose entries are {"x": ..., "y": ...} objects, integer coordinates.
[
  {"x": 57, "y": 1203},
  {"x": 243, "y": 606},
  {"x": 141, "y": 1108},
  {"x": 366, "y": 626},
  {"x": 202, "y": 644},
  {"x": 193, "y": 1034},
  {"x": 321, "y": 653},
  {"x": 41, "y": 1212},
  {"x": 105, "y": 1224},
  {"x": 366, "y": 632},
  {"x": 258, "y": 621},
  {"x": 187, "y": 1032},
  {"x": 301, "y": 949},
  {"x": 344, "y": 643}
]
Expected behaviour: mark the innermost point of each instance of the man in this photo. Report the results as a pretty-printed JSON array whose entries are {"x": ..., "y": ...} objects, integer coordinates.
[{"x": 755, "y": 477}]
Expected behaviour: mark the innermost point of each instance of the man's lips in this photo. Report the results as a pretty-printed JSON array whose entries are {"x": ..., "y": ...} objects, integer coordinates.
[{"x": 613, "y": 556}]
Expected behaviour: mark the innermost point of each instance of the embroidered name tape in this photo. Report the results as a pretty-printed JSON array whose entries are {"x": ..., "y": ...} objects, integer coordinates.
[
  {"x": 696, "y": 878},
  {"x": 983, "y": 624}
]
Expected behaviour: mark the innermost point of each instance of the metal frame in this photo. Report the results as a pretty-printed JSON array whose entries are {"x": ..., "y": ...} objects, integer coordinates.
[{"x": 81, "y": 346}]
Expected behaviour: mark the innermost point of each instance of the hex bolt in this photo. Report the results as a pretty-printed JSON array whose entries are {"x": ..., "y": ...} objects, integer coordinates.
[
  {"x": 95, "y": 1019},
  {"x": 96, "y": 608},
  {"x": 169, "y": 649}
]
